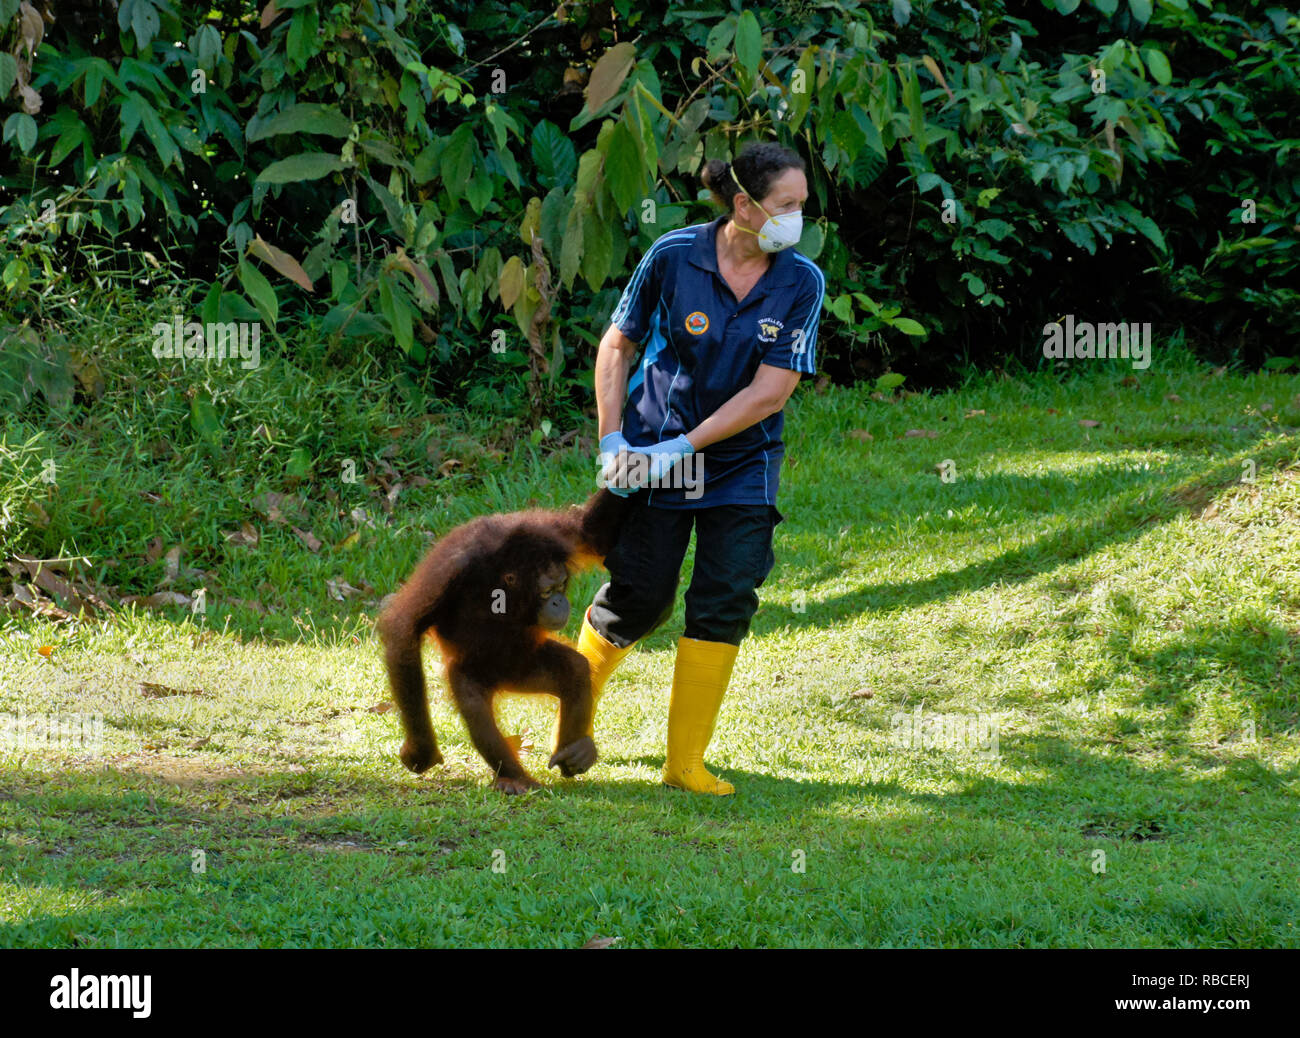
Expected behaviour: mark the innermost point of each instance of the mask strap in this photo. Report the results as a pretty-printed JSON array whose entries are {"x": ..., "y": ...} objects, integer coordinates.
[{"x": 732, "y": 170}]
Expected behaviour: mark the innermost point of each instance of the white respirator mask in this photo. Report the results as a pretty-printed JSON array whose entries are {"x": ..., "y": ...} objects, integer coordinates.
[{"x": 778, "y": 232}]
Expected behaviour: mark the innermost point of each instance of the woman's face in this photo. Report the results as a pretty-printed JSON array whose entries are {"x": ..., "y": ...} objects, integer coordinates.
[{"x": 787, "y": 194}]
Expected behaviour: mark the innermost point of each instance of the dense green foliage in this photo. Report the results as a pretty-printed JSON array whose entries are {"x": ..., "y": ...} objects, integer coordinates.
[{"x": 977, "y": 169}]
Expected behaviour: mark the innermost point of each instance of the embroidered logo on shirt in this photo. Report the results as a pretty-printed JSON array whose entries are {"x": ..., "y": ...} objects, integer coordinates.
[
  {"x": 697, "y": 323},
  {"x": 768, "y": 327}
]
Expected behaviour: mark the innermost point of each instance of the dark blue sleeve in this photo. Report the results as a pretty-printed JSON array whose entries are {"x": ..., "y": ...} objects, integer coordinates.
[
  {"x": 640, "y": 297},
  {"x": 796, "y": 343}
]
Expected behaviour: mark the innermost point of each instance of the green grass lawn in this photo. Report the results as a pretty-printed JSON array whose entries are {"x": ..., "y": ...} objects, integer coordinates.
[{"x": 1049, "y": 698}]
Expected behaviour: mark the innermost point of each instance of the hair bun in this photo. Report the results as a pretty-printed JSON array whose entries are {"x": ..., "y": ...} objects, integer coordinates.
[{"x": 713, "y": 173}]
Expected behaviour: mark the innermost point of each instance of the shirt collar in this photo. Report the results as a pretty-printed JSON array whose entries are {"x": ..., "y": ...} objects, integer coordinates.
[{"x": 781, "y": 274}]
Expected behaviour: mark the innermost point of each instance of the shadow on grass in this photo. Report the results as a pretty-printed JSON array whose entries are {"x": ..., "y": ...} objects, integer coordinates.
[
  {"x": 1123, "y": 521},
  {"x": 285, "y": 848}
]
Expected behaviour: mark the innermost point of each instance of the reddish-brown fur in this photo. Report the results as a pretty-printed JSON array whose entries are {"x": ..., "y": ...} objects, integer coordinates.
[{"x": 457, "y": 593}]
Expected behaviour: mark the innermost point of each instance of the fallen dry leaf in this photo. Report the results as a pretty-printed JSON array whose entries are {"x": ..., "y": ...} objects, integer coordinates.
[
  {"x": 861, "y": 434},
  {"x": 246, "y": 535},
  {"x": 171, "y": 566},
  {"x": 929, "y": 433},
  {"x": 339, "y": 589},
  {"x": 158, "y": 599},
  {"x": 601, "y": 942},
  {"x": 972, "y": 414},
  {"x": 1088, "y": 423},
  {"x": 153, "y": 690},
  {"x": 308, "y": 538},
  {"x": 381, "y": 708}
]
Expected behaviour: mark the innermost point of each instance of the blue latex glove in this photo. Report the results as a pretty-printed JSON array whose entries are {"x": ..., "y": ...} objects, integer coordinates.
[
  {"x": 664, "y": 455},
  {"x": 611, "y": 445}
]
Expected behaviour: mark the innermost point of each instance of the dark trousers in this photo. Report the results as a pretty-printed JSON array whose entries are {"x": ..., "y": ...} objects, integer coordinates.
[{"x": 733, "y": 556}]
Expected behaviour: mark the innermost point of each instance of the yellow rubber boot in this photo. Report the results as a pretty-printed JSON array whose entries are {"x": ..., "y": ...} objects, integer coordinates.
[
  {"x": 699, "y": 682},
  {"x": 603, "y": 656}
]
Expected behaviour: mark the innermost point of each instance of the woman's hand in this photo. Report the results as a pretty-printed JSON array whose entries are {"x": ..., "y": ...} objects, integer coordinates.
[
  {"x": 665, "y": 454},
  {"x": 614, "y": 446}
]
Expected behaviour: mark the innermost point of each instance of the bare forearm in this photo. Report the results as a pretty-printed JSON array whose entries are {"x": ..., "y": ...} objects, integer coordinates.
[
  {"x": 748, "y": 407},
  {"x": 612, "y": 363}
]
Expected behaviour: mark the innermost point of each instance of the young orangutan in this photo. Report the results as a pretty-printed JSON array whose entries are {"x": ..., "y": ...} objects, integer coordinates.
[{"x": 491, "y": 592}]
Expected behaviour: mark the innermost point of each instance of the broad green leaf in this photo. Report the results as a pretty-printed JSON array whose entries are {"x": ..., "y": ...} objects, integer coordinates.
[
  {"x": 915, "y": 111},
  {"x": 553, "y": 154},
  {"x": 907, "y": 326},
  {"x": 812, "y": 241},
  {"x": 403, "y": 330},
  {"x": 571, "y": 246},
  {"x": 625, "y": 168},
  {"x": 1113, "y": 56},
  {"x": 596, "y": 252},
  {"x": 129, "y": 117},
  {"x": 801, "y": 87},
  {"x": 449, "y": 277},
  {"x": 478, "y": 192},
  {"x": 21, "y": 126},
  {"x": 392, "y": 207},
  {"x": 68, "y": 141},
  {"x": 1141, "y": 10},
  {"x": 303, "y": 118},
  {"x": 554, "y": 209},
  {"x": 426, "y": 165},
  {"x": 1081, "y": 235},
  {"x": 9, "y": 73},
  {"x": 310, "y": 165},
  {"x": 259, "y": 291},
  {"x": 588, "y": 171},
  {"x": 719, "y": 39},
  {"x": 157, "y": 133},
  {"x": 1145, "y": 226},
  {"x": 749, "y": 42},
  {"x": 302, "y": 43},
  {"x": 928, "y": 180},
  {"x": 1159, "y": 66},
  {"x": 144, "y": 23},
  {"x": 206, "y": 45},
  {"x": 458, "y": 161}
]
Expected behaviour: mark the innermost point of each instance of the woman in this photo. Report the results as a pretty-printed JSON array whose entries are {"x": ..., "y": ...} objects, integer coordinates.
[{"x": 728, "y": 314}]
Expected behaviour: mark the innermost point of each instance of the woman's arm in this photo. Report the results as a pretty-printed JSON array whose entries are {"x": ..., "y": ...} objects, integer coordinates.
[
  {"x": 614, "y": 359},
  {"x": 764, "y": 396}
]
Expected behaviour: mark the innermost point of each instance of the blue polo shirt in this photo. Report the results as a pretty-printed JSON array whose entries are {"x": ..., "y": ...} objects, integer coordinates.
[{"x": 702, "y": 347}]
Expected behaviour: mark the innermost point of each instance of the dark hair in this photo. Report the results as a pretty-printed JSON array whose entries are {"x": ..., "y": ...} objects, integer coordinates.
[{"x": 755, "y": 167}]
